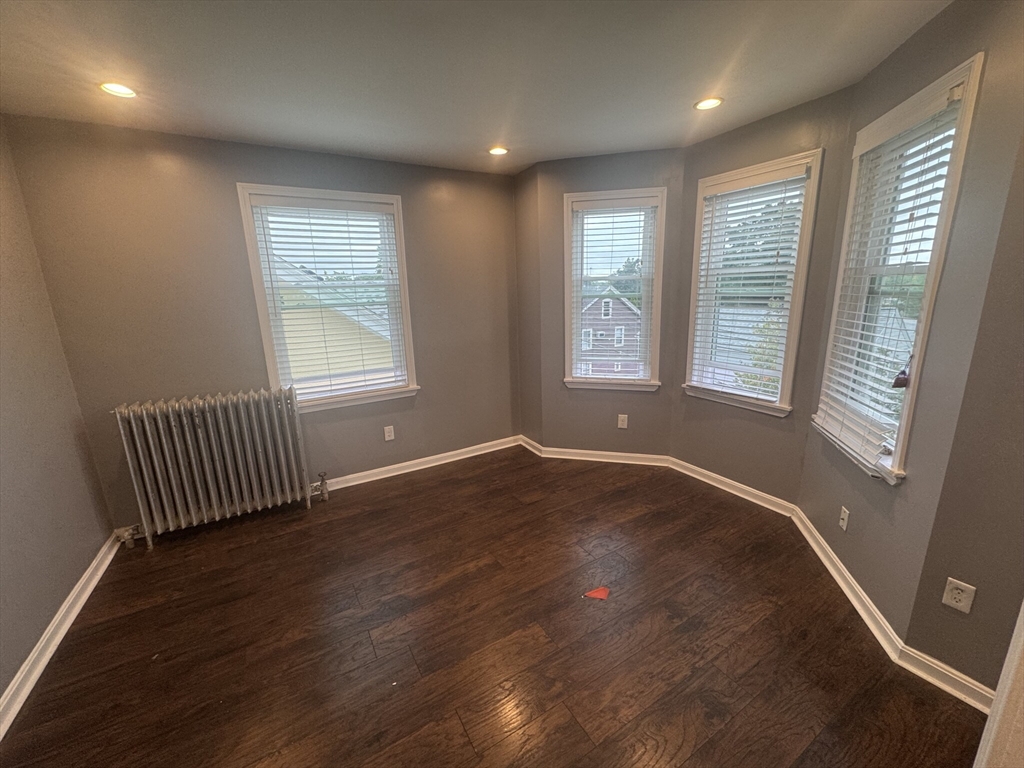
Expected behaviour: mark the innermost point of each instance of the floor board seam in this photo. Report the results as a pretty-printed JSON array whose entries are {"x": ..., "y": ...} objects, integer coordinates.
[
  {"x": 466, "y": 731},
  {"x": 565, "y": 703}
]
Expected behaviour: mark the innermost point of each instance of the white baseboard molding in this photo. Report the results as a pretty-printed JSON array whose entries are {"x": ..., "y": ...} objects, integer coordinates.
[
  {"x": 921, "y": 664},
  {"x": 738, "y": 489},
  {"x": 416, "y": 464},
  {"x": 945, "y": 677},
  {"x": 23, "y": 682},
  {"x": 657, "y": 460},
  {"x": 877, "y": 623}
]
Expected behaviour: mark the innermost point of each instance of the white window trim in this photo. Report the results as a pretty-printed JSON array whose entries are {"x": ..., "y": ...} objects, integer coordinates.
[
  {"x": 911, "y": 112},
  {"x": 623, "y": 195},
  {"x": 606, "y": 308},
  {"x": 619, "y": 339},
  {"x": 394, "y": 202},
  {"x": 764, "y": 173}
]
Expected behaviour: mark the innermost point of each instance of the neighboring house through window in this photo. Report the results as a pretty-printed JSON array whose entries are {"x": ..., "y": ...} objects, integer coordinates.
[
  {"x": 328, "y": 270},
  {"x": 614, "y": 245}
]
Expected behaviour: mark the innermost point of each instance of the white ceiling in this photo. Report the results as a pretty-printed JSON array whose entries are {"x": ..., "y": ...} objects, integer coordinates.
[{"x": 440, "y": 82}]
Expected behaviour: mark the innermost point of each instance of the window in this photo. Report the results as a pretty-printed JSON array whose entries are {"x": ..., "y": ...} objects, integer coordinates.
[
  {"x": 902, "y": 194},
  {"x": 613, "y": 260},
  {"x": 588, "y": 338},
  {"x": 328, "y": 269},
  {"x": 751, "y": 250}
]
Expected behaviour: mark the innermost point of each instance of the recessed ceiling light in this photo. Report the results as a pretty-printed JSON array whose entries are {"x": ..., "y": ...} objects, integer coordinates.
[
  {"x": 116, "y": 89},
  {"x": 498, "y": 151},
  {"x": 709, "y": 103}
]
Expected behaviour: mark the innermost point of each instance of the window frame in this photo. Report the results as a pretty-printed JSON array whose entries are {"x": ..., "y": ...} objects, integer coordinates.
[
  {"x": 744, "y": 178},
  {"x": 623, "y": 196},
  {"x": 908, "y": 114},
  {"x": 245, "y": 192}
]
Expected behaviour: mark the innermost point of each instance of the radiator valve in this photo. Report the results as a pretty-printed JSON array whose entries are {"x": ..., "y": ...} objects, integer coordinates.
[{"x": 324, "y": 495}]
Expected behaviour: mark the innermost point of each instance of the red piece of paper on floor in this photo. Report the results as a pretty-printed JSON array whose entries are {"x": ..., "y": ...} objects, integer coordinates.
[{"x": 601, "y": 593}]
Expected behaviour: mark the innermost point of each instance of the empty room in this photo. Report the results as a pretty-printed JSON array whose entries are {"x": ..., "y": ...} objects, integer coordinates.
[{"x": 568, "y": 384}]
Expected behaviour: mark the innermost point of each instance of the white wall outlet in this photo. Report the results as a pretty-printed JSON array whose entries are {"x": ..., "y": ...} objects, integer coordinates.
[
  {"x": 958, "y": 595},
  {"x": 623, "y": 420},
  {"x": 389, "y": 433},
  {"x": 844, "y": 517}
]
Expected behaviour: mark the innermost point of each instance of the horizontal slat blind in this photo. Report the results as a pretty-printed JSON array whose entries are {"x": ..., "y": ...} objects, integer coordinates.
[
  {"x": 334, "y": 298},
  {"x": 613, "y": 253},
  {"x": 900, "y": 188},
  {"x": 748, "y": 258}
]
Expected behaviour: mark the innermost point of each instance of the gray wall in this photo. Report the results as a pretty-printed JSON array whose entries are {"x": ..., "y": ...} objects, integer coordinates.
[
  {"x": 759, "y": 450},
  {"x": 890, "y": 527},
  {"x": 978, "y": 535},
  {"x": 528, "y": 305},
  {"x": 585, "y": 418},
  {"x": 52, "y": 517},
  {"x": 141, "y": 243}
]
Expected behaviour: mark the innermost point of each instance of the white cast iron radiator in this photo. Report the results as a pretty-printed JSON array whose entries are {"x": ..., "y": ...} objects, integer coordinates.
[{"x": 206, "y": 458}]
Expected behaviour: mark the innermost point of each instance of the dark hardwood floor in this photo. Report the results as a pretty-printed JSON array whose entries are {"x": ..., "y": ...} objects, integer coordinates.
[{"x": 436, "y": 619}]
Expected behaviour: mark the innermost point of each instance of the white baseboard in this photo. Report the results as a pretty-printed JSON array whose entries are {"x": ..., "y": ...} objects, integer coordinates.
[
  {"x": 921, "y": 664},
  {"x": 658, "y": 460},
  {"x": 945, "y": 677},
  {"x": 23, "y": 682},
  {"x": 738, "y": 489},
  {"x": 416, "y": 464},
  {"x": 877, "y": 623}
]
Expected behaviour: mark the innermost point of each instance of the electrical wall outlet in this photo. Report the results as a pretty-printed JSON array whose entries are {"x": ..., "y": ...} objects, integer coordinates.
[
  {"x": 958, "y": 595},
  {"x": 623, "y": 420},
  {"x": 389, "y": 433},
  {"x": 844, "y": 517}
]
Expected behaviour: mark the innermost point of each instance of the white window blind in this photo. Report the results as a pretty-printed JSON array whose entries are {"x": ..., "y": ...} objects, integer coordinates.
[
  {"x": 332, "y": 282},
  {"x": 613, "y": 273},
  {"x": 901, "y": 200},
  {"x": 744, "y": 292},
  {"x": 752, "y": 245}
]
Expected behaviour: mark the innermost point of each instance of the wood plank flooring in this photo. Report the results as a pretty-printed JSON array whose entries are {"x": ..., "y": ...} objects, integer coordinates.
[{"x": 436, "y": 619}]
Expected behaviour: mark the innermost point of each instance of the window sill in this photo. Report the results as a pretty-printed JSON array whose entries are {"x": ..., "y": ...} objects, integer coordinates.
[
  {"x": 340, "y": 401},
  {"x": 761, "y": 406},
  {"x": 880, "y": 470},
  {"x": 621, "y": 384},
  {"x": 890, "y": 475}
]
